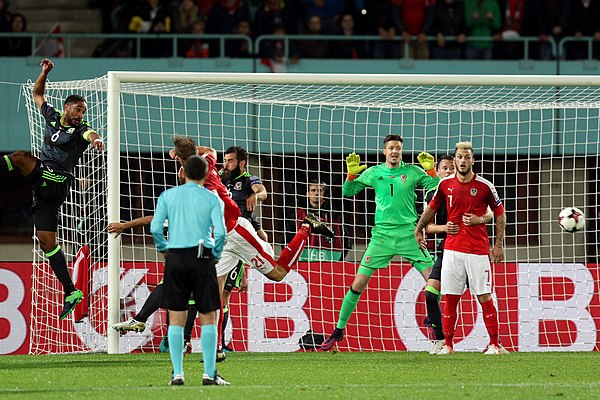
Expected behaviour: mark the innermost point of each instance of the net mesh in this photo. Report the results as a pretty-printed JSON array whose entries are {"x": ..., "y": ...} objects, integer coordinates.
[{"x": 539, "y": 146}]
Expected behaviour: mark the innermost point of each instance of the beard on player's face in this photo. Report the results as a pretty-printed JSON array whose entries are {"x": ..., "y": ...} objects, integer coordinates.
[
  {"x": 464, "y": 171},
  {"x": 234, "y": 173}
]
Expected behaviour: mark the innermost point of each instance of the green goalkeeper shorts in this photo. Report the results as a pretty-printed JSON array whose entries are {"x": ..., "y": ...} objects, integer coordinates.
[{"x": 387, "y": 243}]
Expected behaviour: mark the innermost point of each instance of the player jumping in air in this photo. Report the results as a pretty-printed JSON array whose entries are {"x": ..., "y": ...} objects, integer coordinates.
[
  {"x": 243, "y": 243},
  {"x": 394, "y": 183},
  {"x": 66, "y": 137}
]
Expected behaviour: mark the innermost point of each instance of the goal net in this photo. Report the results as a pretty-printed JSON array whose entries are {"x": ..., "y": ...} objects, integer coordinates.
[{"x": 535, "y": 138}]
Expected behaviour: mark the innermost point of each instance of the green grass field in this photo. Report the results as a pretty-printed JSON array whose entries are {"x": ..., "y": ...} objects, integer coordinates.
[{"x": 286, "y": 376}]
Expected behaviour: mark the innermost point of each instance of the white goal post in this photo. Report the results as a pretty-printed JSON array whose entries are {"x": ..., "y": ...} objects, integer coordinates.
[{"x": 535, "y": 137}]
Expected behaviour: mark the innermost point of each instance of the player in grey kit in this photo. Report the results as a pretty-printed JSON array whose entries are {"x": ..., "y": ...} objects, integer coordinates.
[
  {"x": 66, "y": 137},
  {"x": 246, "y": 190}
]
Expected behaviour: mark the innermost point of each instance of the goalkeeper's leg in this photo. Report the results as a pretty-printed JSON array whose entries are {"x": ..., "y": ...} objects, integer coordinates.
[{"x": 377, "y": 256}]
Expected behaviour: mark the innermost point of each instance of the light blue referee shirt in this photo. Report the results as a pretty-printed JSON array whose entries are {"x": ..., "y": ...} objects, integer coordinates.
[{"x": 194, "y": 213}]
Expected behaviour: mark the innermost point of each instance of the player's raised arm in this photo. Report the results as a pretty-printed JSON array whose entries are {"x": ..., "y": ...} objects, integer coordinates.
[
  {"x": 40, "y": 84},
  {"x": 428, "y": 163},
  {"x": 205, "y": 150},
  {"x": 353, "y": 168}
]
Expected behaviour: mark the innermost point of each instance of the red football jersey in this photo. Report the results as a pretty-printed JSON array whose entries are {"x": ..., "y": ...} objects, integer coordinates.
[
  {"x": 471, "y": 197},
  {"x": 213, "y": 182}
]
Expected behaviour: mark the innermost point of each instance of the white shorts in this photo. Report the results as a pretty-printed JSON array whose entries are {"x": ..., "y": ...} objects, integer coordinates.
[
  {"x": 244, "y": 244},
  {"x": 457, "y": 267}
]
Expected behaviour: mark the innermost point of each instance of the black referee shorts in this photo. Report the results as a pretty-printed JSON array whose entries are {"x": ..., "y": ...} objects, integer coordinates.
[
  {"x": 185, "y": 275},
  {"x": 50, "y": 190}
]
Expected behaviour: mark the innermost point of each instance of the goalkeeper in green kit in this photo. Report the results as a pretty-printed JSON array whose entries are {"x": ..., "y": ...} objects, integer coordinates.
[{"x": 394, "y": 184}]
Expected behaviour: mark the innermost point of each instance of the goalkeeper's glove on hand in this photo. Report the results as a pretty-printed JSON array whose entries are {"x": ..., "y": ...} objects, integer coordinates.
[
  {"x": 428, "y": 163},
  {"x": 353, "y": 166}
]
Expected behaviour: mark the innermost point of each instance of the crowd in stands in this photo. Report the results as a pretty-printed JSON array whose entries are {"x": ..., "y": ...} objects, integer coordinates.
[{"x": 437, "y": 29}]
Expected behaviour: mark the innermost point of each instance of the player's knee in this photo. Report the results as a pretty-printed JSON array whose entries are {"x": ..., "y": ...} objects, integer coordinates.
[
  {"x": 47, "y": 245},
  {"x": 356, "y": 292},
  {"x": 277, "y": 274},
  {"x": 20, "y": 157}
]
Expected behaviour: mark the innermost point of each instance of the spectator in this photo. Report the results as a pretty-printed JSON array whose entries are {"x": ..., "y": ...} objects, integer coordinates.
[
  {"x": 482, "y": 18},
  {"x": 317, "y": 48},
  {"x": 385, "y": 22},
  {"x": 186, "y": 15},
  {"x": 17, "y": 46},
  {"x": 240, "y": 48},
  {"x": 271, "y": 14},
  {"x": 511, "y": 13},
  {"x": 204, "y": 6},
  {"x": 349, "y": 48},
  {"x": 328, "y": 11},
  {"x": 151, "y": 17},
  {"x": 225, "y": 16},
  {"x": 273, "y": 52},
  {"x": 545, "y": 19},
  {"x": 320, "y": 248},
  {"x": 449, "y": 21},
  {"x": 198, "y": 47},
  {"x": 416, "y": 17},
  {"x": 5, "y": 17},
  {"x": 584, "y": 21}
]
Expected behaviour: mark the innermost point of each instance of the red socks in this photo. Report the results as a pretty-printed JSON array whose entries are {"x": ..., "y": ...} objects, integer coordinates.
[
  {"x": 490, "y": 317},
  {"x": 449, "y": 317},
  {"x": 290, "y": 254}
]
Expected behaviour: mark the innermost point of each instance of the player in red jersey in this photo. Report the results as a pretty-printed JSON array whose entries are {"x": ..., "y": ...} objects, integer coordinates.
[
  {"x": 243, "y": 243},
  {"x": 466, "y": 252}
]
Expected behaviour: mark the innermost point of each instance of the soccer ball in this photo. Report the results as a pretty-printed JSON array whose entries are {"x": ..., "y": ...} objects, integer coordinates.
[{"x": 571, "y": 219}]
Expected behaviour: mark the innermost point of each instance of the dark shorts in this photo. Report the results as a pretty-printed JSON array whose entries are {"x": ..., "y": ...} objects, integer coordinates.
[
  {"x": 50, "y": 190},
  {"x": 186, "y": 274},
  {"x": 234, "y": 278}
]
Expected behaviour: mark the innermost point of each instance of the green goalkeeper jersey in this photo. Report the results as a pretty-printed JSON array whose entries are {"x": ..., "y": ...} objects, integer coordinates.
[{"x": 394, "y": 192}]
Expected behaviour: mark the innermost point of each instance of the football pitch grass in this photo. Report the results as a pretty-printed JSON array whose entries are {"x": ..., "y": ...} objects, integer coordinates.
[{"x": 286, "y": 376}]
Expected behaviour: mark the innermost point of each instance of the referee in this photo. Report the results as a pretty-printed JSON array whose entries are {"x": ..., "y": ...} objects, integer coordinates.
[{"x": 196, "y": 238}]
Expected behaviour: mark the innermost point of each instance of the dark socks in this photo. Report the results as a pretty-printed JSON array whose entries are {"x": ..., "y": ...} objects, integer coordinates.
[
  {"x": 224, "y": 324},
  {"x": 189, "y": 322},
  {"x": 434, "y": 312},
  {"x": 58, "y": 262},
  {"x": 151, "y": 304}
]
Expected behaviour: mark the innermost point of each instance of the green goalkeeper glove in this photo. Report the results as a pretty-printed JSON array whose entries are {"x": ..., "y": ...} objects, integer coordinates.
[
  {"x": 427, "y": 162},
  {"x": 353, "y": 165}
]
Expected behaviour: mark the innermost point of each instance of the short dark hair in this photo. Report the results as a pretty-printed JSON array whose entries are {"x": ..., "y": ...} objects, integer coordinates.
[
  {"x": 74, "y": 98},
  {"x": 240, "y": 152},
  {"x": 316, "y": 182},
  {"x": 196, "y": 167},
  {"x": 446, "y": 157},
  {"x": 390, "y": 138}
]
